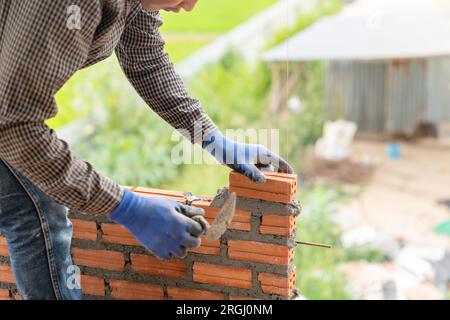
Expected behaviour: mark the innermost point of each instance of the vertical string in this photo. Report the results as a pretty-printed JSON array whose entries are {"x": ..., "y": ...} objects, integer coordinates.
[{"x": 287, "y": 81}]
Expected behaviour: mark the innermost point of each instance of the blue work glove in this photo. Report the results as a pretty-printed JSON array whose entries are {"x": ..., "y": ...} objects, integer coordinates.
[
  {"x": 163, "y": 226},
  {"x": 244, "y": 158}
]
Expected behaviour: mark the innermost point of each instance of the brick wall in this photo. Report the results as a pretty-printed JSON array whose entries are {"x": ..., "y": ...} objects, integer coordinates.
[{"x": 252, "y": 260}]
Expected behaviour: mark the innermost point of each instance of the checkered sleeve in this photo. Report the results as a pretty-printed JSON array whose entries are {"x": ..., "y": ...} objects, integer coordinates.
[
  {"x": 150, "y": 70},
  {"x": 39, "y": 51}
]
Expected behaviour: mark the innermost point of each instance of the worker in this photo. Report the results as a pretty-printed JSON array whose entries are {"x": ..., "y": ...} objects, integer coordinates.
[{"x": 42, "y": 44}]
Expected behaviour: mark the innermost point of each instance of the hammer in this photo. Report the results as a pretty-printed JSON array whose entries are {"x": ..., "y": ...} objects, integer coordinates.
[{"x": 223, "y": 219}]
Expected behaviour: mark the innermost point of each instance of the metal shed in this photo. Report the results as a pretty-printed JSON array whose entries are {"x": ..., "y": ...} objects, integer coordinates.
[{"x": 387, "y": 62}]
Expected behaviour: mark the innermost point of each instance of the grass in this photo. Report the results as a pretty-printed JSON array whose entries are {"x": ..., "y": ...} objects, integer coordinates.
[
  {"x": 324, "y": 9},
  {"x": 181, "y": 49},
  {"x": 207, "y": 21},
  {"x": 213, "y": 16}
]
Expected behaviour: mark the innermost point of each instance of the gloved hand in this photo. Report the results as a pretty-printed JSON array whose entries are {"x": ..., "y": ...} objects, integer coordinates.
[
  {"x": 163, "y": 226},
  {"x": 244, "y": 158}
]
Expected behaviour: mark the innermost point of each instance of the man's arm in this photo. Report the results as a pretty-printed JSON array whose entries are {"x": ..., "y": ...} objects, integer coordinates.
[
  {"x": 38, "y": 53},
  {"x": 151, "y": 72},
  {"x": 142, "y": 57}
]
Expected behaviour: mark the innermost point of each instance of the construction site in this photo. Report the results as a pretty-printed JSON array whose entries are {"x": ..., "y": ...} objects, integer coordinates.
[{"x": 358, "y": 94}]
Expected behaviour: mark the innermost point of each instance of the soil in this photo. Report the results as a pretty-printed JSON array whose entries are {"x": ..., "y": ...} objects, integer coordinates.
[{"x": 406, "y": 197}]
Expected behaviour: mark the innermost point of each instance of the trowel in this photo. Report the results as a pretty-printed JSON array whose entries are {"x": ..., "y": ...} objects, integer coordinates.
[{"x": 217, "y": 228}]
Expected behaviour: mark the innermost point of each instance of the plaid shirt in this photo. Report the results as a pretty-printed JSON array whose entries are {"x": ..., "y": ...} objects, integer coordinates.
[{"x": 40, "y": 49}]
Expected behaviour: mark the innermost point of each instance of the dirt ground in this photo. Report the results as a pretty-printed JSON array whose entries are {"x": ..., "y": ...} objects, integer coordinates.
[{"x": 404, "y": 197}]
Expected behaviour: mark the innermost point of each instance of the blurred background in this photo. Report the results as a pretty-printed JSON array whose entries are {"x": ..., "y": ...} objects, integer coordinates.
[{"x": 360, "y": 91}]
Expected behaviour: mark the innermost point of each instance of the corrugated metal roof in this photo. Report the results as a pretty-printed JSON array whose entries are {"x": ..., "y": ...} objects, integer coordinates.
[{"x": 373, "y": 30}]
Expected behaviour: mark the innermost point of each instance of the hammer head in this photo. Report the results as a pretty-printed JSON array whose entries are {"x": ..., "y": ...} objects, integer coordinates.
[{"x": 223, "y": 219}]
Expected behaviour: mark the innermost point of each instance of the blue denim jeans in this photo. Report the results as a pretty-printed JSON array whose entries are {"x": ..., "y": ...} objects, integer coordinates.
[{"x": 39, "y": 233}]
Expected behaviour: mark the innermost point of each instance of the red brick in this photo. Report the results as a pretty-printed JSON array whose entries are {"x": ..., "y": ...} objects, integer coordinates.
[
  {"x": 6, "y": 274},
  {"x": 158, "y": 191},
  {"x": 276, "y": 183},
  {"x": 150, "y": 265},
  {"x": 276, "y": 230},
  {"x": 84, "y": 230},
  {"x": 3, "y": 247},
  {"x": 127, "y": 290},
  {"x": 17, "y": 297},
  {"x": 102, "y": 259},
  {"x": 114, "y": 233},
  {"x": 4, "y": 294},
  {"x": 242, "y": 298},
  {"x": 279, "y": 175},
  {"x": 259, "y": 252},
  {"x": 207, "y": 250},
  {"x": 207, "y": 247},
  {"x": 223, "y": 281},
  {"x": 222, "y": 275},
  {"x": 192, "y": 294},
  {"x": 91, "y": 285},
  {"x": 277, "y": 284},
  {"x": 279, "y": 225},
  {"x": 177, "y": 199},
  {"x": 253, "y": 257},
  {"x": 276, "y": 220},
  {"x": 262, "y": 195},
  {"x": 150, "y": 192},
  {"x": 259, "y": 247}
]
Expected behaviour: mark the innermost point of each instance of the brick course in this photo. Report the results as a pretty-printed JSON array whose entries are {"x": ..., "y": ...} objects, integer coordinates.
[
  {"x": 193, "y": 294},
  {"x": 252, "y": 260},
  {"x": 222, "y": 275},
  {"x": 84, "y": 230},
  {"x": 128, "y": 290},
  {"x": 101, "y": 259}
]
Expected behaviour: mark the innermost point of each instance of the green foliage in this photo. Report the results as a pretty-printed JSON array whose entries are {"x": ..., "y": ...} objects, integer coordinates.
[
  {"x": 364, "y": 253},
  {"x": 318, "y": 276},
  {"x": 232, "y": 93},
  {"x": 302, "y": 129}
]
